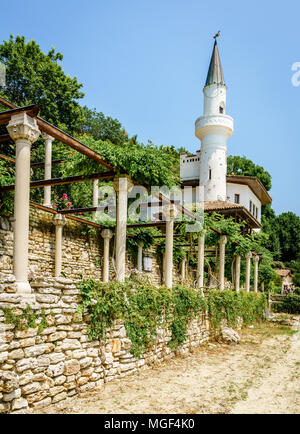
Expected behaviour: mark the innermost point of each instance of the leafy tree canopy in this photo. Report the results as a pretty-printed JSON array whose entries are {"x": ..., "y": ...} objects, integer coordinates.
[
  {"x": 33, "y": 77},
  {"x": 243, "y": 166},
  {"x": 102, "y": 127},
  {"x": 289, "y": 236}
]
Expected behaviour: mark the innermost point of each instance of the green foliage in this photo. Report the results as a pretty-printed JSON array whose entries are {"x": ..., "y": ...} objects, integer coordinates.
[
  {"x": 289, "y": 236},
  {"x": 149, "y": 165},
  {"x": 229, "y": 306},
  {"x": 243, "y": 166},
  {"x": 102, "y": 127},
  {"x": 290, "y": 304},
  {"x": 178, "y": 252},
  {"x": 144, "y": 235},
  {"x": 28, "y": 318},
  {"x": 145, "y": 308},
  {"x": 33, "y": 77},
  {"x": 7, "y": 177},
  {"x": 295, "y": 267}
]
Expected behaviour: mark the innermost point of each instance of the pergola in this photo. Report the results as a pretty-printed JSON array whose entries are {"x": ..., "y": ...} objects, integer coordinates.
[{"x": 24, "y": 127}]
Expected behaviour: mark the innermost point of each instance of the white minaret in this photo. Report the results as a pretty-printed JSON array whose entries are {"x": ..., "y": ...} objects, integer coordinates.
[{"x": 213, "y": 129}]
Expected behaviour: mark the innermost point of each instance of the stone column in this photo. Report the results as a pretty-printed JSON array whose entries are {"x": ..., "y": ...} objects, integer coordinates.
[
  {"x": 48, "y": 168},
  {"x": 106, "y": 235},
  {"x": 122, "y": 186},
  {"x": 24, "y": 131},
  {"x": 200, "y": 265},
  {"x": 170, "y": 214},
  {"x": 183, "y": 265},
  {"x": 237, "y": 273},
  {"x": 95, "y": 196},
  {"x": 140, "y": 256},
  {"x": 256, "y": 260},
  {"x": 59, "y": 220},
  {"x": 248, "y": 271},
  {"x": 262, "y": 287},
  {"x": 222, "y": 243}
]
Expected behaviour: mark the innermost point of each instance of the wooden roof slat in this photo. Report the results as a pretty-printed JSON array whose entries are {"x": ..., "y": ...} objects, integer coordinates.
[
  {"x": 63, "y": 181},
  {"x": 40, "y": 164}
]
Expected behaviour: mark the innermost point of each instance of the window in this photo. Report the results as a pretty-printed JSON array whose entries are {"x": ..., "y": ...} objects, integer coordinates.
[
  {"x": 250, "y": 206},
  {"x": 236, "y": 198},
  {"x": 209, "y": 174},
  {"x": 221, "y": 110},
  {"x": 256, "y": 213}
]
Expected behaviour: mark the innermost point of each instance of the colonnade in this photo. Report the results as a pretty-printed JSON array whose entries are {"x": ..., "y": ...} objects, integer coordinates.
[{"x": 24, "y": 131}]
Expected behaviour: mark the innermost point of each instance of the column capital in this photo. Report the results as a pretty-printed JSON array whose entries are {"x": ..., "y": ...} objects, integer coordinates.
[
  {"x": 170, "y": 211},
  {"x": 22, "y": 126},
  {"x": 59, "y": 220},
  {"x": 141, "y": 244},
  {"x": 46, "y": 137},
  {"x": 106, "y": 234},
  {"x": 249, "y": 255},
  {"x": 122, "y": 184},
  {"x": 223, "y": 239},
  {"x": 256, "y": 258}
]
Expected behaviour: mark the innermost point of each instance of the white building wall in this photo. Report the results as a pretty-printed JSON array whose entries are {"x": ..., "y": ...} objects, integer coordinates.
[
  {"x": 246, "y": 194},
  {"x": 189, "y": 166}
]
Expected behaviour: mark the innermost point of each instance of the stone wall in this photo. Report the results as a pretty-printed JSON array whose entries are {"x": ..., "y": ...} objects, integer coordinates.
[
  {"x": 37, "y": 369},
  {"x": 82, "y": 250}
]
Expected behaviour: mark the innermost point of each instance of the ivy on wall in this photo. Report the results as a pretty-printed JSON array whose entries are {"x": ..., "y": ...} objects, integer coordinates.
[{"x": 146, "y": 308}]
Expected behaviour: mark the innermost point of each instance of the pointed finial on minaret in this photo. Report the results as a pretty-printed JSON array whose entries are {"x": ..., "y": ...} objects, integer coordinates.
[{"x": 215, "y": 73}]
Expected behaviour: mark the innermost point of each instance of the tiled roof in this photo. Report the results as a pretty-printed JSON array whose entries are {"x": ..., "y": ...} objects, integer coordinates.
[{"x": 283, "y": 272}]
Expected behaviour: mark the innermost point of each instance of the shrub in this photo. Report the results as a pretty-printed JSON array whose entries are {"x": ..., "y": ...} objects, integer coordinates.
[{"x": 290, "y": 304}]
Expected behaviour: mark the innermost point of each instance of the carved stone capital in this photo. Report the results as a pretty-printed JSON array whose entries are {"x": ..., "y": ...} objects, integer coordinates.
[
  {"x": 22, "y": 126},
  {"x": 223, "y": 239},
  {"x": 59, "y": 220},
  {"x": 249, "y": 255},
  {"x": 106, "y": 233},
  {"x": 122, "y": 184},
  {"x": 47, "y": 138},
  {"x": 256, "y": 258},
  {"x": 170, "y": 212}
]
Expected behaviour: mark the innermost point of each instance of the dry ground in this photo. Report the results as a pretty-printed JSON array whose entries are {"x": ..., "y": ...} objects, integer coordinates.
[{"x": 260, "y": 375}]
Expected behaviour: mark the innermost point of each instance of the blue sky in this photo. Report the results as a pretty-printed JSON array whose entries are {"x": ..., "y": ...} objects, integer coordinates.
[{"x": 145, "y": 63}]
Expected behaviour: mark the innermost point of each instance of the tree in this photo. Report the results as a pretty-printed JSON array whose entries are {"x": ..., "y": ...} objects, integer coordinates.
[
  {"x": 102, "y": 127},
  {"x": 33, "y": 77},
  {"x": 243, "y": 166},
  {"x": 289, "y": 236}
]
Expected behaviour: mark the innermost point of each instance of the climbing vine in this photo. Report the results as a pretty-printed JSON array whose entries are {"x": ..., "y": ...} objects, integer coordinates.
[
  {"x": 26, "y": 319},
  {"x": 145, "y": 309}
]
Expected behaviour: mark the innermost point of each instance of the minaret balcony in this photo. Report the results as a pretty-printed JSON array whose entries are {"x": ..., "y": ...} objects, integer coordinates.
[{"x": 214, "y": 124}]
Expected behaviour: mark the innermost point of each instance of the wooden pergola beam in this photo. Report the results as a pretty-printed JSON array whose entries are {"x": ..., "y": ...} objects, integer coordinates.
[
  {"x": 32, "y": 111},
  {"x": 63, "y": 181},
  {"x": 53, "y": 131},
  {"x": 5, "y": 138}
]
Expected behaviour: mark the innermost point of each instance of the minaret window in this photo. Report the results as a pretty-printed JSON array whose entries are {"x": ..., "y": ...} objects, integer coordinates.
[
  {"x": 221, "y": 110},
  {"x": 209, "y": 174}
]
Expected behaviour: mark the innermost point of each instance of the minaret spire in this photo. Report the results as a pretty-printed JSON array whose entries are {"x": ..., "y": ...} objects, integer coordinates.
[
  {"x": 213, "y": 129},
  {"x": 215, "y": 72}
]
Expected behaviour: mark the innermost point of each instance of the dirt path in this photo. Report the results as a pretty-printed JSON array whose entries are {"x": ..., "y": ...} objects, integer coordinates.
[{"x": 260, "y": 375}]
